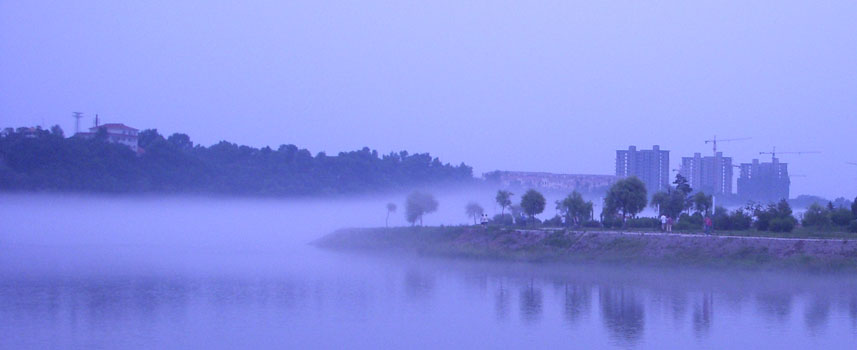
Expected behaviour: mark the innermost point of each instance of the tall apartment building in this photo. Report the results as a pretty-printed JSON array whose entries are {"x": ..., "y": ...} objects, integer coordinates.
[
  {"x": 764, "y": 182},
  {"x": 712, "y": 175},
  {"x": 651, "y": 166}
]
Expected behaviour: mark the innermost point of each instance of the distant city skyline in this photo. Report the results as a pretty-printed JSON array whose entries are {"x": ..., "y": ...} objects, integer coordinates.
[{"x": 554, "y": 87}]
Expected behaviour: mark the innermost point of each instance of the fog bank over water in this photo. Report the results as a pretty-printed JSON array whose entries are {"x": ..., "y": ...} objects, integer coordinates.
[
  {"x": 179, "y": 272},
  {"x": 162, "y": 230}
]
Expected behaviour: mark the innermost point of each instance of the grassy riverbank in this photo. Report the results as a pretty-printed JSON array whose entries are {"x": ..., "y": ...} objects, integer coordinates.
[
  {"x": 623, "y": 247},
  {"x": 799, "y": 232}
]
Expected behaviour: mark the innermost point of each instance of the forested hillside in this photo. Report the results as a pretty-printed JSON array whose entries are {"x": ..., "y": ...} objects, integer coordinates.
[{"x": 43, "y": 160}]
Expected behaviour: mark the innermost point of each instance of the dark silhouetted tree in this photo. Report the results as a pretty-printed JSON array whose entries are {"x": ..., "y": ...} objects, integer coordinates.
[
  {"x": 180, "y": 141},
  {"x": 575, "y": 209},
  {"x": 391, "y": 208},
  {"x": 474, "y": 210},
  {"x": 148, "y": 137},
  {"x": 56, "y": 130},
  {"x": 702, "y": 203},
  {"x": 504, "y": 199},
  {"x": 682, "y": 185},
  {"x": 533, "y": 203},
  {"x": 417, "y": 205},
  {"x": 854, "y": 207},
  {"x": 626, "y": 197}
]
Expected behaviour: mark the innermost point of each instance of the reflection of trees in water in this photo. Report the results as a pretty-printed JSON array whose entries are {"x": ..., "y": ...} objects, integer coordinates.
[
  {"x": 418, "y": 285},
  {"x": 622, "y": 313},
  {"x": 678, "y": 306},
  {"x": 289, "y": 293},
  {"x": 577, "y": 302},
  {"x": 816, "y": 314},
  {"x": 97, "y": 302},
  {"x": 731, "y": 300},
  {"x": 531, "y": 303},
  {"x": 852, "y": 309},
  {"x": 18, "y": 298},
  {"x": 776, "y": 306},
  {"x": 702, "y": 313},
  {"x": 478, "y": 281},
  {"x": 501, "y": 302}
]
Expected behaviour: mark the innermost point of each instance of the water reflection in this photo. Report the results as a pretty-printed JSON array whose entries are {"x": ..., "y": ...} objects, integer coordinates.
[
  {"x": 852, "y": 310},
  {"x": 418, "y": 284},
  {"x": 622, "y": 312},
  {"x": 816, "y": 314},
  {"x": 774, "y": 305},
  {"x": 702, "y": 314},
  {"x": 154, "y": 307},
  {"x": 678, "y": 306},
  {"x": 502, "y": 300},
  {"x": 577, "y": 302},
  {"x": 531, "y": 303}
]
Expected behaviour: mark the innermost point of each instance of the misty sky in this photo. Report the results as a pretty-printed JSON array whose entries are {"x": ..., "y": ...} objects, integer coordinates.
[{"x": 540, "y": 86}]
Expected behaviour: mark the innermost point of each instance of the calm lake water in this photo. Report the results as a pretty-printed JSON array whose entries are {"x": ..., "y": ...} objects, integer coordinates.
[{"x": 215, "y": 273}]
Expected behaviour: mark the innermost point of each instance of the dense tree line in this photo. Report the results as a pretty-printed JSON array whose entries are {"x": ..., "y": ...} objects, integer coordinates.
[
  {"x": 831, "y": 217},
  {"x": 627, "y": 197},
  {"x": 43, "y": 160}
]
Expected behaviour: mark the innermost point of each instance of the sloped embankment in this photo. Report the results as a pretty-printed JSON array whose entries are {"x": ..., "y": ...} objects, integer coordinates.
[{"x": 560, "y": 245}]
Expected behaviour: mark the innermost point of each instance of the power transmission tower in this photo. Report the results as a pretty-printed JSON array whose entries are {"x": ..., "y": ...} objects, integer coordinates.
[{"x": 77, "y": 116}]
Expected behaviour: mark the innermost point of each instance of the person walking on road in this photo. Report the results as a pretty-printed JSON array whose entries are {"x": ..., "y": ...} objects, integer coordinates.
[
  {"x": 663, "y": 223},
  {"x": 669, "y": 224}
]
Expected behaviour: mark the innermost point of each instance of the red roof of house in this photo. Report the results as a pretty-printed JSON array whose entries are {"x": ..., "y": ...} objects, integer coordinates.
[{"x": 113, "y": 126}]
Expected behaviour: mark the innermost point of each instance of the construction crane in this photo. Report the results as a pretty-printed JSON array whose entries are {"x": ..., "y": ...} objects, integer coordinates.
[
  {"x": 714, "y": 141},
  {"x": 774, "y": 153}
]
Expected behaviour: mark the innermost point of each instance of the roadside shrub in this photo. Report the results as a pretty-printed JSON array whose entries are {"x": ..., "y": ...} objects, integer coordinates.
[
  {"x": 653, "y": 223},
  {"x": 841, "y": 217},
  {"x": 852, "y": 227},
  {"x": 591, "y": 224},
  {"x": 524, "y": 221},
  {"x": 528, "y": 222},
  {"x": 762, "y": 222},
  {"x": 686, "y": 225},
  {"x": 686, "y": 222},
  {"x": 555, "y": 221},
  {"x": 611, "y": 222},
  {"x": 764, "y": 217},
  {"x": 721, "y": 219},
  {"x": 782, "y": 225},
  {"x": 740, "y": 220},
  {"x": 816, "y": 215},
  {"x": 505, "y": 219},
  {"x": 775, "y": 217},
  {"x": 722, "y": 222}
]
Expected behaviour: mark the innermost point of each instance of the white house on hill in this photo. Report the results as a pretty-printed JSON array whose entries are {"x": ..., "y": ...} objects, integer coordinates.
[{"x": 116, "y": 133}]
